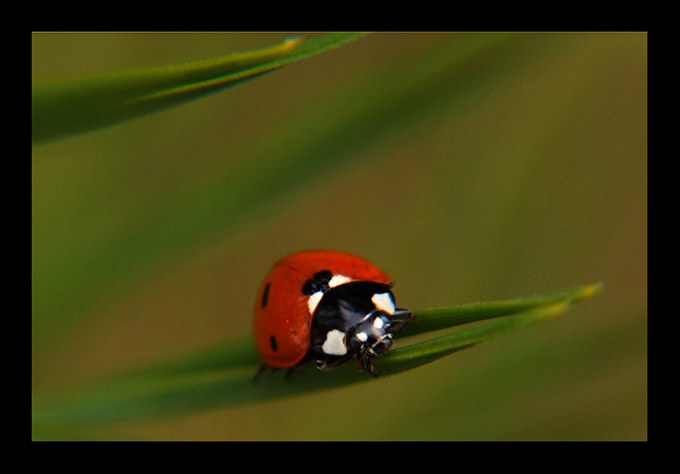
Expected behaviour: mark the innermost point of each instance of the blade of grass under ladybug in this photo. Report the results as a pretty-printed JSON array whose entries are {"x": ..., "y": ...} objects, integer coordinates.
[
  {"x": 223, "y": 377},
  {"x": 242, "y": 352},
  {"x": 440, "y": 318},
  {"x": 85, "y": 105},
  {"x": 415, "y": 355}
]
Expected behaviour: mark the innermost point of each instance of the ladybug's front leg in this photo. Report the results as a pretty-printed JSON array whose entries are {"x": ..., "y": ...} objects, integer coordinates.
[{"x": 366, "y": 364}]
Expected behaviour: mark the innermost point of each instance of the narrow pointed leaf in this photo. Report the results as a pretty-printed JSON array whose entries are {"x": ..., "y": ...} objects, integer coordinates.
[
  {"x": 223, "y": 376},
  {"x": 440, "y": 318},
  {"x": 85, "y": 105}
]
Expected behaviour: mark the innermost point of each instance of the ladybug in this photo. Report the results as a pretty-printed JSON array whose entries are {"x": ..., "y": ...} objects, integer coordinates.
[{"x": 325, "y": 306}]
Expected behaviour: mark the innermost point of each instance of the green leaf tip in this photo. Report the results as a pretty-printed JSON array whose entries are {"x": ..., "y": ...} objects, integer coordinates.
[
  {"x": 81, "y": 106},
  {"x": 494, "y": 318},
  {"x": 440, "y": 318},
  {"x": 222, "y": 377}
]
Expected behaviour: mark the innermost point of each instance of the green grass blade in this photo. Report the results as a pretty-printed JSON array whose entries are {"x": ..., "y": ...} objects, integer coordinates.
[
  {"x": 222, "y": 377},
  {"x": 505, "y": 315},
  {"x": 440, "y": 318},
  {"x": 86, "y": 105}
]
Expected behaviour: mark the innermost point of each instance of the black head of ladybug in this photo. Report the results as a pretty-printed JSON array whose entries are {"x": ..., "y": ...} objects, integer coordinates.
[{"x": 359, "y": 318}]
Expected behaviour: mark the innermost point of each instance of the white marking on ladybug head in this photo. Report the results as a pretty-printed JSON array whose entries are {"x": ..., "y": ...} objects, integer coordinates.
[
  {"x": 313, "y": 301},
  {"x": 334, "y": 343},
  {"x": 362, "y": 336},
  {"x": 378, "y": 323},
  {"x": 338, "y": 280},
  {"x": 383, "y": 302}
]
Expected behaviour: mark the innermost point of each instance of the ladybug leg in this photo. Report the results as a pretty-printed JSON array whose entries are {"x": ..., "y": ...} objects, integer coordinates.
[
  {"x": 400, "y": 319},
  {"x": 290, "y": 372},
  {"x": 260, "y": 370},
  {"x": 365, "y": 363}
]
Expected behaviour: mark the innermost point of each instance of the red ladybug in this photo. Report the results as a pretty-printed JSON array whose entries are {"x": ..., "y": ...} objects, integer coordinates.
[{"x": 325, "y": 306}]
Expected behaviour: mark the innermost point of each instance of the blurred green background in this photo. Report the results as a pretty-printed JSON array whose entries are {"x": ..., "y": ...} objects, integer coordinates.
[{"x": 523, "y": 171}]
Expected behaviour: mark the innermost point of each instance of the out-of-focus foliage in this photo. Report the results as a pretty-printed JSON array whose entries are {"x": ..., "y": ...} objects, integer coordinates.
[{"x": 472, "y": 167}]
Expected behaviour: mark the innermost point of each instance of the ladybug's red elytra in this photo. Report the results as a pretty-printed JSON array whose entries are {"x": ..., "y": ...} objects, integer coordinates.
[{"x": 325, "y": 306}]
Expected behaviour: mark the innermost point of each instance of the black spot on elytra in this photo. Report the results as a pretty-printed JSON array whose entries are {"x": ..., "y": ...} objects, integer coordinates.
[
  {"x": 318, "y": 283},
  {"x": 273, "y": 344},
  {"x": 309, "y": 288},
  {"x": 265, "y": 295}
]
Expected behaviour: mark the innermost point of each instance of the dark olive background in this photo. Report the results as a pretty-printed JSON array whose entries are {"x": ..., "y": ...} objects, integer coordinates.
[{"x": 531, "y": 181}]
